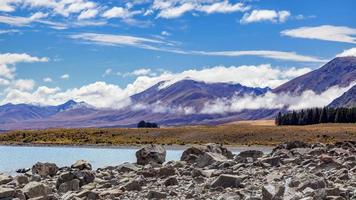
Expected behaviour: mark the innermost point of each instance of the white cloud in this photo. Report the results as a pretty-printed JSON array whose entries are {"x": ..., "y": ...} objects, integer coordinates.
[
  {"x": 120, "y": 40},
  {"x": 9, "y": 31},
  {"x": 12, "y": 58},
  {"x": 65, "y": 76},
  {"x": 347, "y": 52},
  {"x": 47, "y": 79},
  {"x": 23, "y": 84},
  {"x": 99, "y": 94},
  {"x": 325, "y": 32},
  {"x": 175, "y": 9},
  {"x": 88, "y": 14},
  {"x": 120, "y": 12},
  {"x": 107, "y": 72},
  {"x": 4, "y": 82},
  {"x": 278, "y": 55},
  {"x": 222, "y": 7},
  {"x": 308, "y": 99},
  {"x": 8, "y": 5},
  {"x": 161, "y": 45},
  {"x": 165, "y": 33},
  {"x": 7, "y": 59},
  {"x": 174, "y": 12},
  {"x": 265, "y": 15},
  {"x": 140, "y": 72}
]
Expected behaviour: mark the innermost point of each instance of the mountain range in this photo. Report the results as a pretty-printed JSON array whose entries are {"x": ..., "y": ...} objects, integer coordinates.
[{"x": 181, "y": 103}]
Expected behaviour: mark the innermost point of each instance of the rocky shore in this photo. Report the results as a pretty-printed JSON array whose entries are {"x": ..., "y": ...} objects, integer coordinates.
[{"x": 294, "y": 170}]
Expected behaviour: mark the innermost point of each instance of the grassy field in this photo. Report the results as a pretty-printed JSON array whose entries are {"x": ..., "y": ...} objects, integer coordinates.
[{"x": 243, "y": 133}]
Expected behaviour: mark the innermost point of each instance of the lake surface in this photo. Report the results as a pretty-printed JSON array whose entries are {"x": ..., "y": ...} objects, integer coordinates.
[{"x": 15, "y": 157}]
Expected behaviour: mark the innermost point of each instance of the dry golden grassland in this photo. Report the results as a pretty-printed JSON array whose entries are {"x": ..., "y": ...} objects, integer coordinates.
[{"x": 242, "y": 133}]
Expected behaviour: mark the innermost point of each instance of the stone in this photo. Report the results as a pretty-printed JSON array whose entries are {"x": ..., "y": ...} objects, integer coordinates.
[
  {"x": 81, "y": 165},
  {"x": 127, "y": 167},
  {"x": 200, "y": 172},
  {"x": 156, "y": 195},
  {"x": 151, "y": 154},
  {"x": 171, "y": 181},
  {"x": 251, "y": 154},
  {"x": 209, "y": 158},
  {"x": 313, "y": 183},
  {"x": 4, "y": 179},
  {"x": 132, "y": 185},
  {"x": 6, "y": 193},
  {"x": 326, "y": 158},
  {"x": 273, "y": 161},
  {"x": 84, "y": 176},
  {"x": 72, "y": 185},
  {"x": 45, "y": 169},
  {"x": 166, "y": 171},
  {"x": 273, "y": 192},
  {"x": 36, "y": 189},
  {"x": 21, "y": 179},
  {"x": 227, "y": 180},
  {"x": 64, "y": 177},
  {"x": 193, "y": 153}
]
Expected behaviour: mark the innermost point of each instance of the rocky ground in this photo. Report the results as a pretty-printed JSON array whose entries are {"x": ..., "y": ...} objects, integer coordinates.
[{"x": 293, "y": 170}]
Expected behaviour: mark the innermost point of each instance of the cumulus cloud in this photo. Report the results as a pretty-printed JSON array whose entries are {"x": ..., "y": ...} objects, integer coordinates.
[
  {"x": 265, "y": 15},
  {"x": 8, "y": 60},
  {"x": 325, "y": 32},
  {"x": 99, "y": 94},
  {"x": 347, "y": 52},
  {"x": 139, "y": 72},
  {"x": 23, "y": 84}
]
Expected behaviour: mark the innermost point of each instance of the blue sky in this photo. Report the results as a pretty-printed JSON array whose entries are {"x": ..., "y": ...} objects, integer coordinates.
[{"x": 54, "y": 50}]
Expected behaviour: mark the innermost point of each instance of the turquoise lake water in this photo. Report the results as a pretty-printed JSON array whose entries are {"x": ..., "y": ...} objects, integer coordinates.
[{"x": 15, "y": 157}]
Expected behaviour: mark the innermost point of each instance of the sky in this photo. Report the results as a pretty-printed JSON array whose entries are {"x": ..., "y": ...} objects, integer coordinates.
[{"x": 102, "y": 52}]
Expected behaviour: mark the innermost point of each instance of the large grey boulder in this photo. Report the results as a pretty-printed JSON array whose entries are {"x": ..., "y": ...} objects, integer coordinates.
[
  {"x": 36, "y": 189},
  {"x": 209, "y": 158},
  {"x": 154, "y": 154},
  {"x": 45, "y": 169},
  {"x": 192, "y": 154},
  {"x": 228, "y": 180}
]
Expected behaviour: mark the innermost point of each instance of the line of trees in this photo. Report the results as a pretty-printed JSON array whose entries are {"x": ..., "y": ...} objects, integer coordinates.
[{"x": 316, "y": 116}]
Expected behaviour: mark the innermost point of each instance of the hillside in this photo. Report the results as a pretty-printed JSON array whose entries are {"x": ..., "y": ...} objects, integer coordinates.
[
  {"x": 340, "y": 71},
  {"x": 348, "y": 99}
]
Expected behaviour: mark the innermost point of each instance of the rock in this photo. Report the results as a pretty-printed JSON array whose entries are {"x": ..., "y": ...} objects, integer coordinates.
[
  {"x": 313, "y": 183},
  {"x": 229, "y": 196},
  {"x": 201, "y": 172},
  {"x": 227, "y": 180},
  {"x": 156, "y": 195},
  {"x": 127, "y": 167},
  {"x": 171, "y": 181},
  {"x": 4, "y": 179},
  {"x": 166, "y": 171},
  {"x": 209, "y": 158},
  {"x": 151, "y": 154},
  {"x": 45, "y": 169},
  {"x": 84, "y": 176},
  {"x": 251, "y": 154},
  {"x": 21, "y": 179},
  {"x": 272, "y": 192},
  {"x": 132, "y": 185},
  {"x": 72, "y": 185},
  {"x": 81, "y": 165},
  {"x": 193, "y": 153},
  {"x": 36, "y": 189},
  {"x": 6, "y": 193},
  {"x": 326, "y": 158},
  {"x": 273, "y": 161},
  {"x": 65, "y": 177}
]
